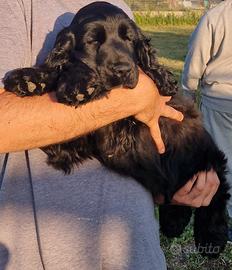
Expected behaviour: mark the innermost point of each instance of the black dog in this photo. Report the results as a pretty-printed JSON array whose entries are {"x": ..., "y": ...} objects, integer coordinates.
[{"x": 103, "y": 48}]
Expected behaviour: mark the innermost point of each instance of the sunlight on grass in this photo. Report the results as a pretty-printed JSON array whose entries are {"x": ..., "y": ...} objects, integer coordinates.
[{"x": 171, "y": 43}]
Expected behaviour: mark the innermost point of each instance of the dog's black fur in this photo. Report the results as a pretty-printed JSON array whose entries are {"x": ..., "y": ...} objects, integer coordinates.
[{"x": 103, "y": 48}]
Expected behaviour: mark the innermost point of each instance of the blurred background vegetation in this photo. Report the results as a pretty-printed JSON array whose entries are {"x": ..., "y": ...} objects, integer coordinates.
[
  {"x": 137, "y": 5},
  {"x": 169, "y": 24}
]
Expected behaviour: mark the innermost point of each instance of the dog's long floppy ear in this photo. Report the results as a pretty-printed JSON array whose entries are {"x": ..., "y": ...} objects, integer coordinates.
[
  {"x": 147, "y": 61},
  {"x": 146, "y": 55}
]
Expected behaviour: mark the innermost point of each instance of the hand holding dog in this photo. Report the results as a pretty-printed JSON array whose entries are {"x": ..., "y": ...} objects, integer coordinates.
[
  {"x": 153, "y": 105},
  {"x": 197, "y": 192}
]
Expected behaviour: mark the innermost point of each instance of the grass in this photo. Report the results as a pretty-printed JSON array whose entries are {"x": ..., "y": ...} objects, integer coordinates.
[
  {"x": 171, "y": 43},
  {"x": 170, "y": 18},
  {"x": 181, "y": 254}
]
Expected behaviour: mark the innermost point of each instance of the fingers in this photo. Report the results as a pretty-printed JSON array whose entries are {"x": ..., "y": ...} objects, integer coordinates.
[
  {"x": 166, "y": 98},
  {"x": 205, "y": 188},
  {"x": 207, "y": 200},
  {"x": 156, "y": 135},
  {"x": 181, "y": 197},
  {"x": 187, "y": 187},
  {"x": 199, "y": 191},
  {"x": 199, "y": 186},
  {"x": 170, "y": 112},
  {"x": 213, "y": 183}
]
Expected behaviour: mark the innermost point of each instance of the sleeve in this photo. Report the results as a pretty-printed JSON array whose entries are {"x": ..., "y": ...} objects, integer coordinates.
[
  {"x": 13, "y": 37},
  {"x": 197, "y": 57}
]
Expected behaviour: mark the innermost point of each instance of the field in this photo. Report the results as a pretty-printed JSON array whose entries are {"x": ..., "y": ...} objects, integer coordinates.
[{"x": 171, "y": 44}]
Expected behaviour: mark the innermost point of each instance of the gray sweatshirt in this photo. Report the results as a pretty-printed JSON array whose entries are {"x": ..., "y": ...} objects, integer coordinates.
[{"x": 209, "y": 58}]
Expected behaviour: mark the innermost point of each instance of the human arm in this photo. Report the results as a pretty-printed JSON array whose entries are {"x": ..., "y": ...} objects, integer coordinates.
[
  {"x": 199, "y": 54},
  {"x": 32, "y": 122},
  {"x": 28, "y": 123}
]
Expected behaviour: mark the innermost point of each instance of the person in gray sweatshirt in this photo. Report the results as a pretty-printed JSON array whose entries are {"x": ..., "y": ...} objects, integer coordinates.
[{"x": 208, "y": 65}]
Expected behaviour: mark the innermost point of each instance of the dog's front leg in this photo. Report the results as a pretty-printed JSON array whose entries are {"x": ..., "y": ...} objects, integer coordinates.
[
  {"x": 42, "y": 79},
  {"x": 30, "y": 81}
]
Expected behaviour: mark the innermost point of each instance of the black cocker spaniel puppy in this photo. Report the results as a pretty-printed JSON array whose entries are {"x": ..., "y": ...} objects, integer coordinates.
[{"x": 103, "y": 48}]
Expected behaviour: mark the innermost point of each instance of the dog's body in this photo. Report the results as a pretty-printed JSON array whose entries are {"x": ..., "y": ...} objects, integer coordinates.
[{"x": 103, "y": 48}]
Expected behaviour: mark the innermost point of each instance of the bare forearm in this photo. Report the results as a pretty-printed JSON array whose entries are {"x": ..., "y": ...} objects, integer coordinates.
[{"x": 32, "y": 122}]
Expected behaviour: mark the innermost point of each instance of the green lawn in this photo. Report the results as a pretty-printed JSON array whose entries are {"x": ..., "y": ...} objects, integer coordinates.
[{"x": 171, "y": 44}]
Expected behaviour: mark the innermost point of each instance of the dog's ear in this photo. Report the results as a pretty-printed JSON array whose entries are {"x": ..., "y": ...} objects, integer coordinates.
[
  {"x": 147, "y": 61},
  {"x": 146, "y": 55}
]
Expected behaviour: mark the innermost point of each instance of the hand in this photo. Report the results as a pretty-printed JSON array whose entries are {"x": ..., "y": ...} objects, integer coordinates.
[
  {"x": 153, "y": 105},
  {"x": 197, "y": 192}
]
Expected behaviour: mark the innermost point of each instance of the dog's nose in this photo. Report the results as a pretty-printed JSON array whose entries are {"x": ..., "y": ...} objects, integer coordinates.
[{"x": 121, "y": 69}]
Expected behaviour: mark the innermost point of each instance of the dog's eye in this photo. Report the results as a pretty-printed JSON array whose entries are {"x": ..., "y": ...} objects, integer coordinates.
[
  {"x": 93, "y": 42},
  {"x": 125, "y": 33},
  {"x": 97, "y": 37}
]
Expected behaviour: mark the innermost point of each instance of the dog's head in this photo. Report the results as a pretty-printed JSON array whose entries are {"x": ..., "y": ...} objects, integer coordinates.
[{"x": 110, "y": 42}]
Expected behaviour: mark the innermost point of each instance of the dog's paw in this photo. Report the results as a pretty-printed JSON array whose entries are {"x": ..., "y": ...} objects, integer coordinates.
[
  {"x": 211, "y": 239},
  {"x": 77, "y": 86},
  {"x": 211, "y": 244},
  {"x": 25, "y": 82},
  {"x": 73, "y": 94}
]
